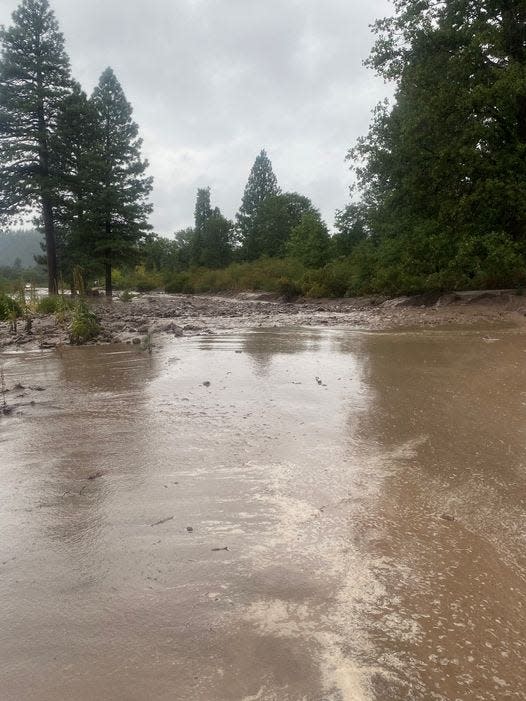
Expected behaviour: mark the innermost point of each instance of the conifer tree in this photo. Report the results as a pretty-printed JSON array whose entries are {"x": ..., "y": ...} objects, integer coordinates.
[
  {"x": 34, "y": 80},
  {"x": 120, "y": 210},
  {"x": 76, "y": 160},
  {"x": 216, "y": 241},
  {"x": 202, "y": 213},
  {"x": 262, "y": 183}
]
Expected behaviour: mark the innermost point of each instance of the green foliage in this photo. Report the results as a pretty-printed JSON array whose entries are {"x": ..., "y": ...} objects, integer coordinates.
[
  {"x": 262, "y": 183},
  {"x": 84, "y": 324},
  {"x": 9, "y": 308},
  {"x": 54, "y": 305},
  {"x": 34, "y": 79},
  {"x": 273, "y": 223},
  {"x": 266, "y": 274},
  {"x": 444, "y": 167},
  {"x": 179, "y": 283},
  {"x": 288, "y": 289},
  {"x": 138, "y": 279},
  {"x": 309, "y": 241},
  {"x": 118, "y": 215},
  {"x": 76, "y": 157},
  {"x": 210, "y": 242}
]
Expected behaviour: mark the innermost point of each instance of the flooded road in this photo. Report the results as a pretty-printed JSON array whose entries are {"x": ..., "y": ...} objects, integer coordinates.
[{"x": 281, "y": 514}]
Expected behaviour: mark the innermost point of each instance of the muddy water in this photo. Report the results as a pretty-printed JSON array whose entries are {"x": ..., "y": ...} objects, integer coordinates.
[{"x": 338, "y": 516}]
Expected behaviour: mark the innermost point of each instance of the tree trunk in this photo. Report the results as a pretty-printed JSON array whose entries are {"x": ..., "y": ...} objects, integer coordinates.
[
  {"x": 51, "y": 250},
  {"x": 47, "y": 207},
  {"x": 109, "y": 286}
]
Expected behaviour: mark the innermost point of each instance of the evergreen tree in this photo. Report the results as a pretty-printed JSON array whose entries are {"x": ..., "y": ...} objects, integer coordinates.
[
  {"x": 34, "y": 80},
  {"x": 77, "y": 162},
  {"x": 262, "y": 183},
  {"x": 216, "y": 242},
  {"x": 202, "y": 213},
  {"x": 119, "y": 212},
  {"x": 203, "y": 208},
  {"x": 309, "y": 241}
]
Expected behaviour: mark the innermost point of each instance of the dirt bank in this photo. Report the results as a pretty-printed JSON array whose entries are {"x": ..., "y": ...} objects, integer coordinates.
[{"x": 131, "y": 322}]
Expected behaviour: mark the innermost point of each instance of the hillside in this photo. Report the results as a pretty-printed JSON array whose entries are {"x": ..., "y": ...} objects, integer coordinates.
[{"x": 22, "y": 244}]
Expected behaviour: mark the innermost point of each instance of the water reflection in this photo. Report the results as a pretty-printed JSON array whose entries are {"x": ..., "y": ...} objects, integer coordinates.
[{"x": 264, "y": 344}]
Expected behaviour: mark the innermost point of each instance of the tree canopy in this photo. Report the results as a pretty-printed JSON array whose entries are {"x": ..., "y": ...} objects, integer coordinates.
[{"x": 444, "y": 169}]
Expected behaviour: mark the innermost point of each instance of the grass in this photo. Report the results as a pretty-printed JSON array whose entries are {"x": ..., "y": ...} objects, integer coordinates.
[{"x": 84, "y": 324}]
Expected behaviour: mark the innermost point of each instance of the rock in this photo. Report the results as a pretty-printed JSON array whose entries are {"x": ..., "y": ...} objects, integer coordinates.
[
  {"x": 169, "y": 327},
  {"x": 446, "y": 300},
  {"x": 136, "y": 341},
  {"x": 206, "y": 384},
  {"x": 189, "y": 529},
  {"x": 447, "y": 517}
]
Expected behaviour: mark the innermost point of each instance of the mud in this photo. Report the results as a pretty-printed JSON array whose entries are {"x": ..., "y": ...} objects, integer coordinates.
[
  {"x": 178, "y": 315},
  {"x": 270, "y": 514}
]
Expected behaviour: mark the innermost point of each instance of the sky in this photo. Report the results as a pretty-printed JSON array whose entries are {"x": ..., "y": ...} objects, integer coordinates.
[{"x": 212, "y": 82}]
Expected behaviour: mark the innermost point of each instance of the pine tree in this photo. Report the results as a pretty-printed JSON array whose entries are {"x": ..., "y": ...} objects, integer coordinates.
[
  {"x": 34, "y": 80},
  {"x": 262, "y": 183},
  {"x": 216, "y": 241},
  {"x": 211, "y": 244},
  {"x": 76, "y": 160},
  {"x": 120, "y": 210},
  {"x": 202, "y": 213}
]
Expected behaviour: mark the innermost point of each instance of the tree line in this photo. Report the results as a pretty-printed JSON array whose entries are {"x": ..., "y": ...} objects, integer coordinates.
[{"x": 440, "y": 195}]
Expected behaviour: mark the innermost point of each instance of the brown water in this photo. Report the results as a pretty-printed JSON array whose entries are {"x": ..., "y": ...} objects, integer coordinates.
[{"x": 375, "y": 523}]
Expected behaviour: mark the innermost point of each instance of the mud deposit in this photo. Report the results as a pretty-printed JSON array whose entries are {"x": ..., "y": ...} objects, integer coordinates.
[{"x": 266, "y": 514}]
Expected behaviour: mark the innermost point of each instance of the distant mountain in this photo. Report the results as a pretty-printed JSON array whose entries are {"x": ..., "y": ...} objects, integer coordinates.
[{"x": 23, "y": 244}]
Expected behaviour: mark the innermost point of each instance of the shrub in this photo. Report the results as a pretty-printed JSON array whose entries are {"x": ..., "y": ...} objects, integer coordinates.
[
  {"x": 9, "y": 308},
  {"x": 54, "y": 305},
  {"x": 138, "y": 279},
  {"x": 288, "y": 289},
  {"x": 179, "y": 283},
  {"x": 84, "y": 324}
]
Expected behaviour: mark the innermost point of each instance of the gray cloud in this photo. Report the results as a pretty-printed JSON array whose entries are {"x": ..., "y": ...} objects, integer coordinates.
[{"x": 214, "y": 81}]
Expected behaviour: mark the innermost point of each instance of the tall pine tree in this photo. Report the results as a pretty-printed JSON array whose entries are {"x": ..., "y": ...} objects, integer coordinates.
[
  {"x": 202, "y": 213},
  {"x": 262, "y": 183},
  {"x": 34, "y": 80},
  {"x": 212, "y": 236},
  {"x": 76, "y": 159},
  {"x": 121, "y": 208}
]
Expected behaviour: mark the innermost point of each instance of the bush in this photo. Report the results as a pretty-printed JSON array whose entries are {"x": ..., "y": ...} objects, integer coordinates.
[
  {"x": 179, "y": 283},
  {"x": 54, "y": 305},
  {"x": 84, "y": 324},
  {"x": 9, "y": 308},
  {"x": 288, "y": 289},
  {"x": 138, "y": 279}
]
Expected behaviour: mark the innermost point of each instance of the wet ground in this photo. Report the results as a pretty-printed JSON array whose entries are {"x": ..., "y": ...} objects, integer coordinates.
[{"x": 337, "y": 516}]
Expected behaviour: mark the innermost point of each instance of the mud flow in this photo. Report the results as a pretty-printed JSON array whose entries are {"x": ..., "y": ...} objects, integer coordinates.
[{"x": 271, "y": 514}]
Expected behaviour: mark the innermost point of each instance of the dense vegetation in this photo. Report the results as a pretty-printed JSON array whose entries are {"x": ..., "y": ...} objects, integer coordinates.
[{"x": 440, "y": 195}]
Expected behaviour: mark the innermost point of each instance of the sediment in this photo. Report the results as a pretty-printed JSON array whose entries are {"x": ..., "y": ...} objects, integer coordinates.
[{"x": 190, "y": 315}]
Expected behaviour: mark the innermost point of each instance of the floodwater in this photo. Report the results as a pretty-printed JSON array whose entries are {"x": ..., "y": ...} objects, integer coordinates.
[{"x": 338, "y": 516}]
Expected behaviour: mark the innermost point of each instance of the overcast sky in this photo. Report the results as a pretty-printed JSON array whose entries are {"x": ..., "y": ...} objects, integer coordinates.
[{"x": 213, "y": 82}]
